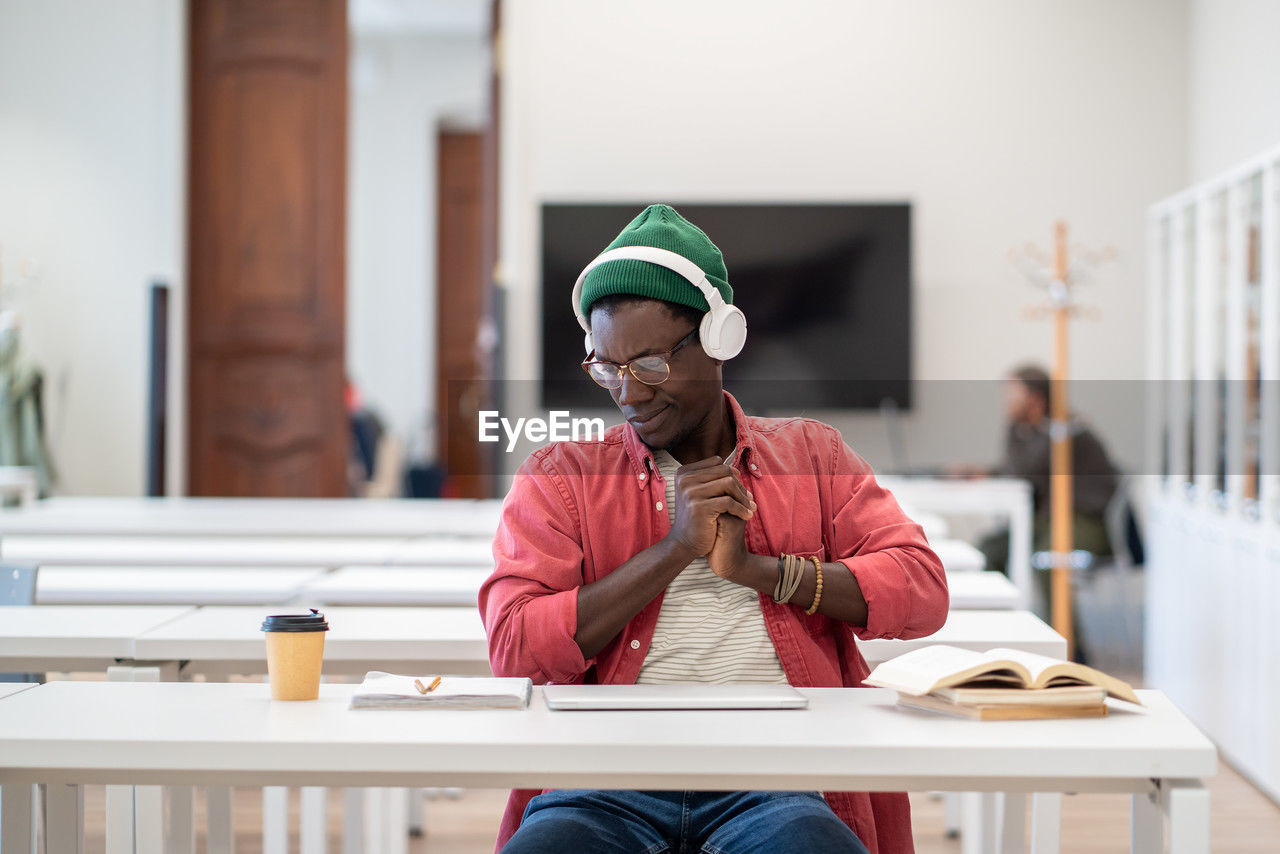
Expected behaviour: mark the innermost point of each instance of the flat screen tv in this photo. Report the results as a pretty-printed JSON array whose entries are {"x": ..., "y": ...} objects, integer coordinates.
[{"x": 826, "y": 290}]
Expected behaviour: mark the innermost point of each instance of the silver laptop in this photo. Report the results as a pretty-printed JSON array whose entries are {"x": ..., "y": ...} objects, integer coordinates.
[{"x": 645, "y": 697}]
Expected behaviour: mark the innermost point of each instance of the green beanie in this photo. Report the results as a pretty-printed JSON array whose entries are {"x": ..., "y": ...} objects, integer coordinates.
[{"x": 663, "y": 227}]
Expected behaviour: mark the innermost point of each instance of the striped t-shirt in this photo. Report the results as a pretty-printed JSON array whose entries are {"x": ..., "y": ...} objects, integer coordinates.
[{"x": 709, "y": 630}]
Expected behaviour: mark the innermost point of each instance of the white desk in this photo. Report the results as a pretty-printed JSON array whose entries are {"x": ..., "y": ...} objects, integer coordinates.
[
  {"x": 934, "y": 525},
  {"x": 979, "y": 631},
  {"x": 226, "y": 639},
  {"x": 105, "y": 550},
  {"x": 439, "y": 585},
  {"x": 228, "y": 585},
  {"x": 1007, "y": 497},
  {"x": 398, "y": 585},
  {"x": 434, "y": 585},
  {"x": 438, "y": 551},
  {"x": 981, "y": 591},
  {"x": 219, "y": 640},
  {"x": 222, "y": 640},
  {"x": 958, "y": 556},
  {"x": 17, "y": 798},
  {"x": 8, "y": 689},
  {"x": 239, "y": 517},
  {"x": 75, "y": 637},
  {"x": 69, "y": 734}
]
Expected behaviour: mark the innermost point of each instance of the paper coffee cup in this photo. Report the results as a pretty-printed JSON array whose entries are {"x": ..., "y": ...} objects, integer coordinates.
[{"x": 295, "y": 653}]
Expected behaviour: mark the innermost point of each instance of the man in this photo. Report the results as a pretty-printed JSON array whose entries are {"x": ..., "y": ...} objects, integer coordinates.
[
  {"x": 696, "y": 544},
  {"x": 1027, "y": 454}
]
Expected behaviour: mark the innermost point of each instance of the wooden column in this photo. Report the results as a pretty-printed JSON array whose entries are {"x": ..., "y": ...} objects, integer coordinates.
[{"x": 266, "y": 238}]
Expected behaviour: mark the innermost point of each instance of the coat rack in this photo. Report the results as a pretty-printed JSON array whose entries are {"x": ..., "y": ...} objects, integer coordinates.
[{"x": 1059, "y": 273}]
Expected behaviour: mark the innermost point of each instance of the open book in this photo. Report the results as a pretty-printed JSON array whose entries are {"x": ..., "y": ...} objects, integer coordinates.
[
  {"x": 933, "y": 669},
  {"x": 388, "y": 691}
]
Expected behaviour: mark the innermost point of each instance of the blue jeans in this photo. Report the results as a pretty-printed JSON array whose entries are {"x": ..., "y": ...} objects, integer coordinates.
[{"x": 586, "y": 821}]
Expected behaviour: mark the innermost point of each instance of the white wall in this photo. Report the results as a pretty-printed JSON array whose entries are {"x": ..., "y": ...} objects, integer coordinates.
[
  {"x": 1234, "y": 82},
  {"x": 993, "y": 117},
  {"x": 91, "y": 153},
  {"x": 402, "y": 87}
]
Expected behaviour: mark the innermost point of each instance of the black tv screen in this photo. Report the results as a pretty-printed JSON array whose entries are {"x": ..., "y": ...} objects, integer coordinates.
[{"x": 826, "y": 290}]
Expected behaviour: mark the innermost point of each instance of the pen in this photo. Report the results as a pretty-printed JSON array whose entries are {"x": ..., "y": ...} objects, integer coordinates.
[{"x": 428, "y": 689}]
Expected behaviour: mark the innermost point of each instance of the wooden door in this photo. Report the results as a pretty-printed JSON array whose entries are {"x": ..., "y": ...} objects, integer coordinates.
[
  {"x": 267, "y": 188},
  {"x": 461, "y": 283}
]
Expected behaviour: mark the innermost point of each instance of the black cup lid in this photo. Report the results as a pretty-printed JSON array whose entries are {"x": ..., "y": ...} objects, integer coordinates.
[{"x": 313, "y": 622}]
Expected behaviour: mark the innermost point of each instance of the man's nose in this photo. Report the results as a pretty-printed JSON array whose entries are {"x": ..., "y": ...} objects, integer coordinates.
[{"x": 633, "y": 391}]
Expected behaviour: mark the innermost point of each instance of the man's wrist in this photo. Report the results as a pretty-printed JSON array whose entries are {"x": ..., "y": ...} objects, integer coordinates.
[
  {"x": 678, "y": 550},
  {"x": 759, "y": 572}
]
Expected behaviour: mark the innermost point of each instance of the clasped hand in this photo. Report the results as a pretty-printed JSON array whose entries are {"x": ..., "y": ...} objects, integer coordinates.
[{"x": 711, "y": 513}]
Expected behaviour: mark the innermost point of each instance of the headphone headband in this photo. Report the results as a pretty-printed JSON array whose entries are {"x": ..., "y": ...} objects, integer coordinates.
[
  {"x": 663, "y": 258},
  {"x": 723, "y": 330}
]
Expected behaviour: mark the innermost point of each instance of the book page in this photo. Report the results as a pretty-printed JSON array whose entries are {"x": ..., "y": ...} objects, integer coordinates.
[
  {"x": 389, "y": 685},
  {"x": 922, "y": 670},
  {"x": 1035, "y": 664},
  {"x": 1046, "y": 671}
]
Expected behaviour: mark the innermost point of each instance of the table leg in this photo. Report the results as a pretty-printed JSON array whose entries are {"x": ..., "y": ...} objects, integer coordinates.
[
  {"x": 143, "y": 830},
  {"x": 1046, "y": 822},
  {"x": 395, "y": 826},
  {"x": 148, "y": 820},
  {"x": 1146, "y": 823},
  {"x": 275, "y": 820},
  {"x": 1020, "y": 573},
  {"x": 180, "y": 830},
  {"x": 1013, "y": 823},
  {"x": 978, "y": 822},
  {"x": 312, "y": 828},
  {"x": 417, "y": 812},
  {"x": 220, "y": 837},
  {"x": 951, "y": 817},
  {"x": 1186, "y": 802},
  {"x": 17, "y": 830},
  {"x": 353, "y": 821},
  {"x": 64, "y": 819},
  {"x": 119, "y": 820}
]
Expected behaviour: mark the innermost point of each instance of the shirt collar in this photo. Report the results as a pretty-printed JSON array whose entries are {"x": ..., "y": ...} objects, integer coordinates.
[{"x": 641, "y": 455}]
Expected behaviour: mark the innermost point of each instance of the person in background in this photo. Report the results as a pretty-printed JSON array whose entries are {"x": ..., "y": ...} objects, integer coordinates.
[
  {"x": 1027, "y": 454},
  {"x": 697, "y": 544}
]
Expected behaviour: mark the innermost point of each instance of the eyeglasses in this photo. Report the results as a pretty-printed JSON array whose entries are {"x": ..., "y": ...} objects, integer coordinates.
[{"x": 653, "y": 369}]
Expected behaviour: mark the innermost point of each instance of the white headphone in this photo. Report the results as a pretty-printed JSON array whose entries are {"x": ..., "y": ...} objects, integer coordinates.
[{"x": 723, "y": 330}]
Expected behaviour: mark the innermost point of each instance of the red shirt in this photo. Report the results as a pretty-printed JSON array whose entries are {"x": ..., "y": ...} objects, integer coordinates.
[{"x": 565, "y": 524}]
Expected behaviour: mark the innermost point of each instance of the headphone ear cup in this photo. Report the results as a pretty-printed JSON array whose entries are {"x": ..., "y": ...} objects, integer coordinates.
[
  {"x": 709, "y": 335},
  {"x": 723, "y": 333},
  {"x": 586, "y": 340}
]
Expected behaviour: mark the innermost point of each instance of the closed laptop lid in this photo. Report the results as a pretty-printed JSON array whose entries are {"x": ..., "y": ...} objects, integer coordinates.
[{"x": 675, "y": 697}]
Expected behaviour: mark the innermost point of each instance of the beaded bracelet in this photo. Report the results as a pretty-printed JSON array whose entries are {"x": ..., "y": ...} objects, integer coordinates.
[{"x": 817, "y": 593}]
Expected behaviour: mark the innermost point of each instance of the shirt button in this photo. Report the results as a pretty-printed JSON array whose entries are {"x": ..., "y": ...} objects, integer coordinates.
[
  {"x": 635, "y": 644},
  {"x": 753, "y": 466},
  {"x": 641, "y": 476},
  {"x": 659, "y": 505}
]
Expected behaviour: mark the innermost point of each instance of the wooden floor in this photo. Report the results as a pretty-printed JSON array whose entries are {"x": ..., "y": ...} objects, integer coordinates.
[{"x": 1243, "y": 822}]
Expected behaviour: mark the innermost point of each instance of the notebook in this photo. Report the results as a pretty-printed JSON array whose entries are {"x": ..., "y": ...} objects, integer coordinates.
[
  {"x": 675, "y": 697},
  {"x": 388, "y": 691}
]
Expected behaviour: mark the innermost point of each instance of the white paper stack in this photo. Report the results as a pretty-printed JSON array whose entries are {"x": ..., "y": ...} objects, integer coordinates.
[{"x": 388, "y": 691}]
